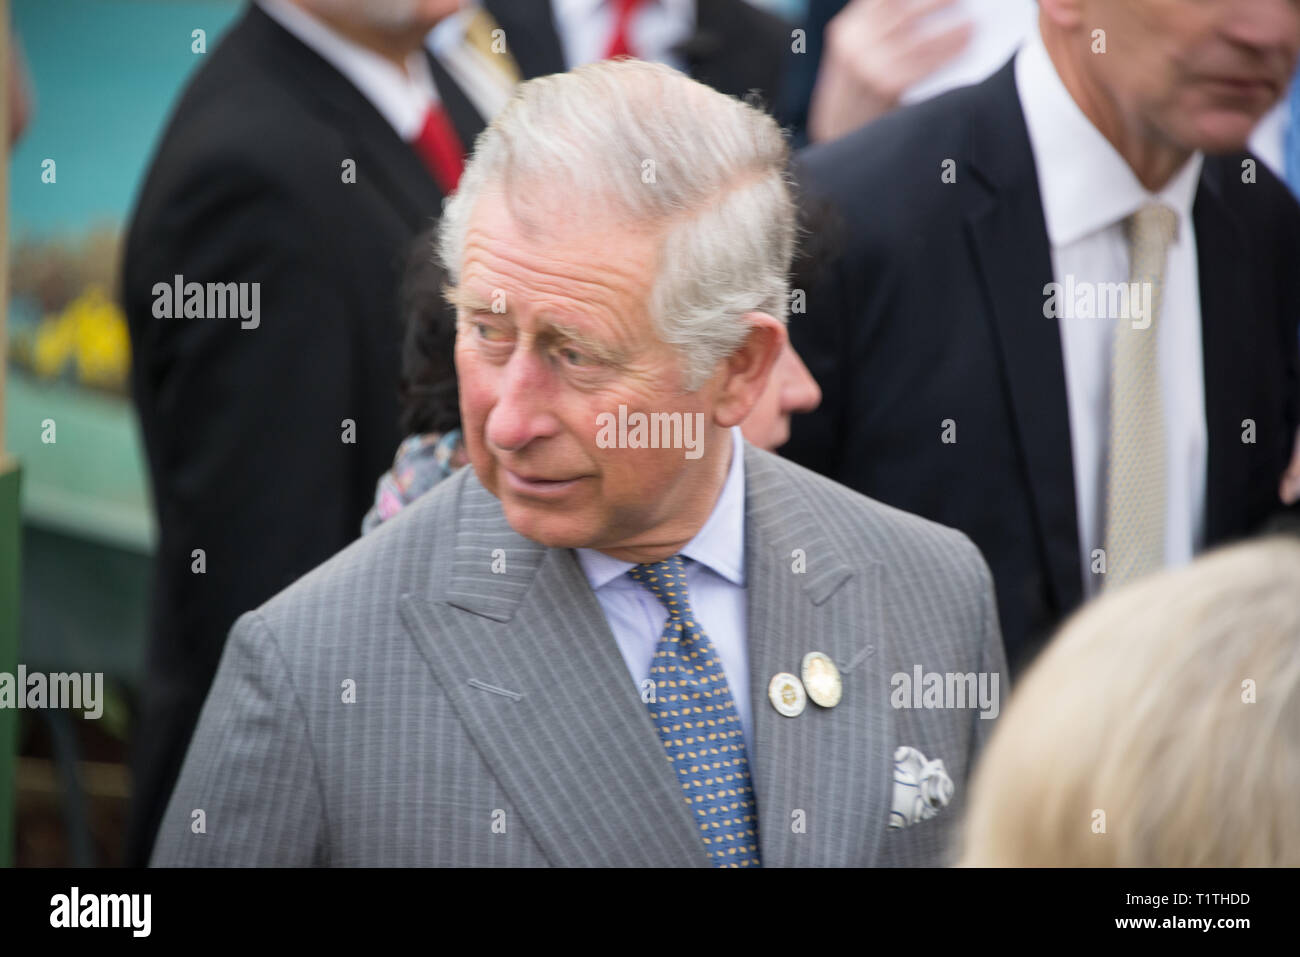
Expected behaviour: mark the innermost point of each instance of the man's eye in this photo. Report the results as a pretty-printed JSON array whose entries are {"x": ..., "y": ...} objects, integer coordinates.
[
  {"x": 576, "y": 358},
  {"x": 489, "y": 333}
]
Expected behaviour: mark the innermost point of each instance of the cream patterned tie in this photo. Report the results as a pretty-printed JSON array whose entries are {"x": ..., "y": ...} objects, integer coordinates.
[{"x": 1136, "y": 477}]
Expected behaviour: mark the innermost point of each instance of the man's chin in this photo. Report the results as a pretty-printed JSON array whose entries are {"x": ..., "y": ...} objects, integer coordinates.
[
  {"x": 551, "y": 529},
  {"x": 1224, "y": 130}
]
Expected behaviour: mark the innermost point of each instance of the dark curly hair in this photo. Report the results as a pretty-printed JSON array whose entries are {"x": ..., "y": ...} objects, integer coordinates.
[{"x": 427, "y": 391}]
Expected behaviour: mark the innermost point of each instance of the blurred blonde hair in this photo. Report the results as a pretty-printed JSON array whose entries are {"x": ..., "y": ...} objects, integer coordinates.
[{"x": 1136, "y": 710}]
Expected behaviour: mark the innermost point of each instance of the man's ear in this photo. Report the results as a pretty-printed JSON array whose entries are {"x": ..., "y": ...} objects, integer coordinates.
[{"x": 744, "y": 374}]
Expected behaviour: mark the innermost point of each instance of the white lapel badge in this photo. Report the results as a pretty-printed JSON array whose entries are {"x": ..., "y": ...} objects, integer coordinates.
[{"x": 786, "y": 694}]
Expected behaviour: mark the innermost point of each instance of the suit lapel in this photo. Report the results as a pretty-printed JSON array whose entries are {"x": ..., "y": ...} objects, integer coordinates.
[
  {"x": 395, "y": 169},
  {"x": 383, "y": 158},
  {"x": 1008, "y": 237},
  {"x": 464, "y": 117},
  {"x": 562, "y": 727},
  {"x": 569, "y": 740},
  {"x": 1225, "y": 304},
  {"x": 821, "y": 779}
]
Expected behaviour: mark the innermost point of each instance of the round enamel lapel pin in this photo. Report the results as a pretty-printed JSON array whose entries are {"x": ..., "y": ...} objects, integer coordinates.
[
  {"x": 786, "y": 694},
  {"x": 821, "y": 679}
]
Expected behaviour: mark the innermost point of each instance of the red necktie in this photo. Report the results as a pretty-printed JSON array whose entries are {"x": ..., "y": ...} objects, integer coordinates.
[
  {"x": 619, "y": 44},
  {"x": 441, "y": 149}
]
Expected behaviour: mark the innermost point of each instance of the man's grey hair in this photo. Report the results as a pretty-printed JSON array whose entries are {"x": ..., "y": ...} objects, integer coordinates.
[{"x": 656, "y": 149}]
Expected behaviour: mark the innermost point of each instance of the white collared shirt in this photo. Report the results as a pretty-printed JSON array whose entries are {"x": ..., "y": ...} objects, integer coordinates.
[
  {"x": 402, "y": 99},
  {"x": 715, "y": 578},
  {"x": 1268, "y": 141},
  {"x": 657, "y": 26},
  {"x": 1087, "y": 191}
]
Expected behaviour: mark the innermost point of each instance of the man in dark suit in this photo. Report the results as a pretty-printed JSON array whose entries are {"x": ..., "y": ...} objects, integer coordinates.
[
  {"x": 313, "y": 143},
  {"x": 979, "y": 363},
  {"x": 726, "y": 44}
]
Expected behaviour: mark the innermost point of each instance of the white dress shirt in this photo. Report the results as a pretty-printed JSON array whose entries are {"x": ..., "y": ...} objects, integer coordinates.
[
  {"x": 1268, "y": 141},
  {"x": 1087, "y": 191},
  {"x": 715, "y": 578},
  {"x": 402, "y": 99},
  {"x": 585, "y": 27}
]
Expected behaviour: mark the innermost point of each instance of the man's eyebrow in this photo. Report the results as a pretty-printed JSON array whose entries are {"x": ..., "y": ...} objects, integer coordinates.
[
  {"x": 559, "y": 328},
  {"x": 461, "y": 298},
  {"x": 552, "y": 327}
]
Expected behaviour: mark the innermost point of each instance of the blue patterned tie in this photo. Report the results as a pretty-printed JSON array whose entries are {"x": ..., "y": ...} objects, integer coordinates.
[{"x": 698, "y": 723}]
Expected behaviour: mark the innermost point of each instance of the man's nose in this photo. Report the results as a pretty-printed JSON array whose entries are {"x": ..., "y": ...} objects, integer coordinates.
[
  {"x": 803, "y": 394},
  {"x": 1272, "y": 25},
  {"x": 522, "y": 410}
]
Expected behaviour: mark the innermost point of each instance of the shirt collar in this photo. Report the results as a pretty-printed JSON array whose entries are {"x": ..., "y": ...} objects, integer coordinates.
[
  {"x": 572, "y": 9},
  {"x": 402, "y": 100},
  {"x": 450, "y": 31},
  {"x": 719, "y": 545},
  {"x": 1086, "y": 185}
]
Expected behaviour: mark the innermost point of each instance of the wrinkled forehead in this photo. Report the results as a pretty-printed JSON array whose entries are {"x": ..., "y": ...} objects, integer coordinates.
[
  {"x": 573, "y": 274},
  {"x": 584, "y": 237}
]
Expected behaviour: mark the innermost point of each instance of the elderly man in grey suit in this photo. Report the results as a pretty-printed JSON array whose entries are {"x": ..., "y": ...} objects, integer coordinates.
[{"x": 625, "y": 637}]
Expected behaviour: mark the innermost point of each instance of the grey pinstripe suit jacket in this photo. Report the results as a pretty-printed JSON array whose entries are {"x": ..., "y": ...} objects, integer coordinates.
[{"x": 495, "y": 722}]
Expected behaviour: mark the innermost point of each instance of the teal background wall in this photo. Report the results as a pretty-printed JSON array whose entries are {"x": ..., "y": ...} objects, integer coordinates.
[{"x": 105, "y": 73}]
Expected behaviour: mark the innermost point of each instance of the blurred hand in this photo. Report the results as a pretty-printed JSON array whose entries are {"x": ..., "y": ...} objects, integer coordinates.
[
  {"x": 875, "y": 50},
  {"x": 20, "y": 107},
  {"x": 1289, "y": 488}
]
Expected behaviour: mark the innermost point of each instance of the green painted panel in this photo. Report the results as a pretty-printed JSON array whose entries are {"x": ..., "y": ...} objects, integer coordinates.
[
  {"x": 10, "y": 483},
  {"x": 89, "y": 482}
]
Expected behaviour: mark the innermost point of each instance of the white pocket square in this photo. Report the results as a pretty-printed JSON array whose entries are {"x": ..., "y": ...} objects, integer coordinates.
[{"x": 921, "y": 788}]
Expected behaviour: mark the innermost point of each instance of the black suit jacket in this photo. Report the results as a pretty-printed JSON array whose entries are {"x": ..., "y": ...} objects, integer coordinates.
[
  {"x": 244, "y": 428},
  {"x": 736, "y": 47},
  {"x": 930, "y": 308}
]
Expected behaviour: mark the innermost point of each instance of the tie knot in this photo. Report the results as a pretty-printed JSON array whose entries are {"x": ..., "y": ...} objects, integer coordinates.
[
  {"x": 666, "y": 581},
  {"x": 1155, "y": 224}
]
